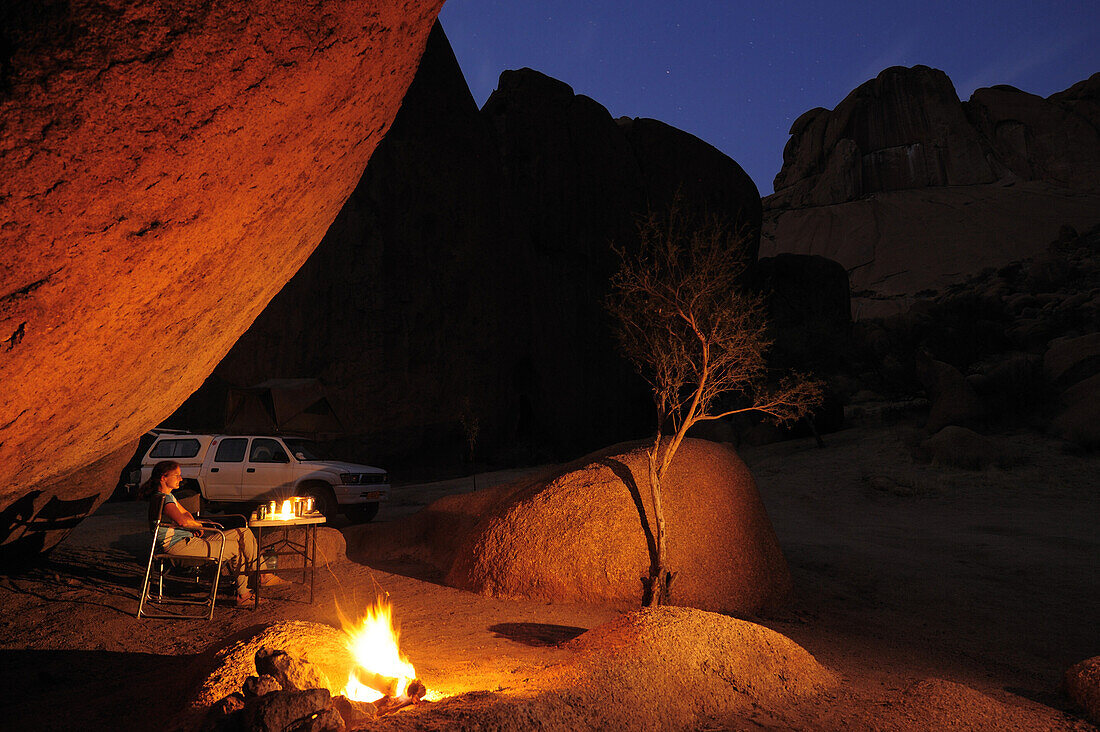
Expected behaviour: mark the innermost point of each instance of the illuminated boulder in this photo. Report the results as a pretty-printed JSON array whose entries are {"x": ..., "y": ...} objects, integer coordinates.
[
  {"x": 575, "y": 534},
  {"x": 165, "y": 167}
]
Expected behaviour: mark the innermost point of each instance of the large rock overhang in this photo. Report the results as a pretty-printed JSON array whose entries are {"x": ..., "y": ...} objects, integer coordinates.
[{"x": 165, "y": 167}]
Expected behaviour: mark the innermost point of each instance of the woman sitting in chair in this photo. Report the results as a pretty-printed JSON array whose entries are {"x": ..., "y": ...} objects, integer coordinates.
[{"x": 185, "y": 538}]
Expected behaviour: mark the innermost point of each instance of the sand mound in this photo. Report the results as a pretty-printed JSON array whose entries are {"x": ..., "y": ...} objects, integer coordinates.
[
  {"x": 660, "y": 668},
  {"x": 939, "y": 704},
  {"x": 576, "y": 535},
  {"x": 225, "y": 670},
  {"x": 677, "y": 666}
]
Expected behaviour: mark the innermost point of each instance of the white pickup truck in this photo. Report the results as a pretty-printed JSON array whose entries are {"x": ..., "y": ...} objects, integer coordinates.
[{"x": 256, "y": 468}]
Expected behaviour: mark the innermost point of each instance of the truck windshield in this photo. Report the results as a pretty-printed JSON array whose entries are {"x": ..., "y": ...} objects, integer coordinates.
[{"x": 303, "y": 449}]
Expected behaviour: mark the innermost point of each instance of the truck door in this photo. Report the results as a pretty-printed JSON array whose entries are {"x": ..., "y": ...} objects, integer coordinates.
[
  {"x": 267, "y": 471},
  {"x": 225, "y": 469}
]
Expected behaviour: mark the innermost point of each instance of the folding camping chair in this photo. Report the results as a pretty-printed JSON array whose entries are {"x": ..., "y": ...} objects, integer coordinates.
[{"x": 196, "y": 590}]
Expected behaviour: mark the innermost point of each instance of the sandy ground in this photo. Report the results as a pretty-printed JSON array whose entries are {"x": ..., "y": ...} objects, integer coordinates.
[{"x": 903, "y": 572}]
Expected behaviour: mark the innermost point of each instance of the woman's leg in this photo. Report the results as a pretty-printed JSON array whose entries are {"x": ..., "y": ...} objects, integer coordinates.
[
  {"x": 246, "y": 540},
  {"x": 242, "y": 543}
]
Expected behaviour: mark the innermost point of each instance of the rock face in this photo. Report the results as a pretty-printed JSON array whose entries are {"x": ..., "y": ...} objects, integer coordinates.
[
  {"x": 411, "y": 275},
  {"x": 909, "y": 188},
  {"x": 1070, "y": 360},
  {"x": 166, "y": 167},
  {"x": 464, "y": 279},
  {"x": 1079, "y": 417},
  {"x": 1042, "y": 139},
  {"x": 809, "y": 308},
  {"x": 576, "y": 535},
  {"x": 903, "y": 129},
  {"x": 954, "y": 401}
]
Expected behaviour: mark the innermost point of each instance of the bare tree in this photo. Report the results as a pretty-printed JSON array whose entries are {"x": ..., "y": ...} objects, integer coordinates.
[{"x": 685, "y": 320}]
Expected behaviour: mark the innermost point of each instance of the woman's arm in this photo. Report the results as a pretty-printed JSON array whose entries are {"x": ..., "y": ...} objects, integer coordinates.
[{"x": 182, "y": 517}]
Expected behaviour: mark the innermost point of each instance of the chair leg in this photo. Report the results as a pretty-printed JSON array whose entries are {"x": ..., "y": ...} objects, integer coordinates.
[{"x": 214, "y": 589}]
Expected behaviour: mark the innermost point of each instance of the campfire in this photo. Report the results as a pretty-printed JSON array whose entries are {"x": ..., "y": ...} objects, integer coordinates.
[
  {"x": 289, "y": 687},
  {"x": 382, "y": 676}
]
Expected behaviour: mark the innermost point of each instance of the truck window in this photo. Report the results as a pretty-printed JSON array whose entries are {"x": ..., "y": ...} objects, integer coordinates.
[
  {"x": 306, "y": 449},
  {"x": 231, "y": 450},
  {"x": 267, "y": 451},
  {"x": 175, "y": 449}
]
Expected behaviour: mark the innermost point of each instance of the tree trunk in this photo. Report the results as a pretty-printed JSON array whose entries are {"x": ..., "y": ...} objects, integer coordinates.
[{"x": 659, "y": 576}]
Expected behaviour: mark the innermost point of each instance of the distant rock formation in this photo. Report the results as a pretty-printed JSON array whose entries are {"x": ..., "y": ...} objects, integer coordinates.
[
  {"x": 464, "y": 279},
  {"x": 165, "y": 167},
  {"x": 1016, "y": 346},
  {"x": 911, "y": 189},
  {"x": 903, "y": 129}
]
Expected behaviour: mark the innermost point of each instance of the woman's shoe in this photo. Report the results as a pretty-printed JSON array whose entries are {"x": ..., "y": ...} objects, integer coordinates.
[{"x": 249, "y": 600}]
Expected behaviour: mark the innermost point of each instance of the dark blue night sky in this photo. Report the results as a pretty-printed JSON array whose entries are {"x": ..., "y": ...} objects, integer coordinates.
[{"x": 737, "y": 74}]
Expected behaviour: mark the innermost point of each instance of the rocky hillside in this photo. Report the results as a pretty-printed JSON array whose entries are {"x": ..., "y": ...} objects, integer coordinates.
[
  {"x": 1013, "y": 347},
  {"x": 463, "y": 281},
  {"x": 911, "y": 189}
]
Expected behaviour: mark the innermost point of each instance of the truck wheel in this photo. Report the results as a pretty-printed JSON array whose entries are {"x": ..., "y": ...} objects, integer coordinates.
[
  {"x": 323, "y": 500},
  {"x": 361, "y": 514}
]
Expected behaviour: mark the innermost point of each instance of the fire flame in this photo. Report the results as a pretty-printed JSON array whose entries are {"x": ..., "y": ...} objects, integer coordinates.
[
  {"x": 285, "y": 512},
  {"x": 379, "y": 662}
]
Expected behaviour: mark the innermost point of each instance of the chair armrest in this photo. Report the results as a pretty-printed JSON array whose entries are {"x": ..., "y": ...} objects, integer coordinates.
[
  {"x": 237, "y": 517},
  {"x": 235, "y": 520}
]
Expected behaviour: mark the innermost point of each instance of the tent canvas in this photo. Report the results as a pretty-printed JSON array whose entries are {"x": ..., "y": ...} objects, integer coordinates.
[{"x": 296, "y": 406}]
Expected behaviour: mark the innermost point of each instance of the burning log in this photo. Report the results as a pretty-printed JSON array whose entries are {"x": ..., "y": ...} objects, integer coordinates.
[
  {"x": 414, "y": 692},
  {"x": 384, "y": 685},
  {"x": 356, "y": 713}
]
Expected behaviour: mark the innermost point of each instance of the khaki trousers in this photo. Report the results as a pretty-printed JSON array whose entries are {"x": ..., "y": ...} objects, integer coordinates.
[{"x": 238, "y": 557}]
